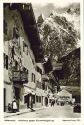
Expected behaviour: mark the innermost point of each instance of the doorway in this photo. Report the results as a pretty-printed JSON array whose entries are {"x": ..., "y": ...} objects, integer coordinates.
[
  {"x": 17, "y": 96},
  {"x": 30, "y": 100}
]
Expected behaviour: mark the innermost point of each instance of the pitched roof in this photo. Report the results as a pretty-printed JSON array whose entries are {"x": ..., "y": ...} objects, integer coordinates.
[{"x": 64, "y": 93}]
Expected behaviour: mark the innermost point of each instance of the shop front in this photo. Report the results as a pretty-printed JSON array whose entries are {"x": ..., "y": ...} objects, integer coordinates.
[
  {"x": 18, "y": 94},
  {"x": 29, "y": 96},
  {"x": 39, "y": 99}
]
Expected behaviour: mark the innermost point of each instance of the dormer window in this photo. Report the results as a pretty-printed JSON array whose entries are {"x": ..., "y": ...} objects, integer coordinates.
[{"x": 26, "y": 6}]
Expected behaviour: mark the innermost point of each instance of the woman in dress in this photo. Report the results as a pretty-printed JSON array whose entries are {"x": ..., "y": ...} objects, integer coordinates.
[{"x": 14, "y": 104}]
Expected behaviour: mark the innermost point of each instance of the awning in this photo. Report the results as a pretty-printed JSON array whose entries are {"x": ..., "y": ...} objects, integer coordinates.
[
  {"x": 50, "y": 96},
  {"x": 31, "y": 85},
  {"x": 40, "y": 92},
  {"x": 28, "y": 91}
]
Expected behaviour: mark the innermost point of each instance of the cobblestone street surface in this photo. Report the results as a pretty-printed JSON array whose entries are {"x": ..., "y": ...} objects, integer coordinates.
[{"x": 50, "y": 112}]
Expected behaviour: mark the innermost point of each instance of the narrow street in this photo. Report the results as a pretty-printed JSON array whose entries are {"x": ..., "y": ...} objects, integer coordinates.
[{"x": 51, "y": 112}]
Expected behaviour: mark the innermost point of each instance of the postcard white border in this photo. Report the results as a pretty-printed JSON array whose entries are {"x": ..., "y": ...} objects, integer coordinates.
[{"x": 57, "y": 121}]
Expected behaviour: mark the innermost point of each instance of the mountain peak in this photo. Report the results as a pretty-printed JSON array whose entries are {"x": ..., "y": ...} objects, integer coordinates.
[{"x": 40, "y": 19}]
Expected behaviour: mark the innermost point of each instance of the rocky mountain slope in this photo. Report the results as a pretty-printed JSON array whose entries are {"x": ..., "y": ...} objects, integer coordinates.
[
  {"x": 71, "y": 68},
  {"x": 60, "y": 32},
  {"x": 60, "y": 36}
]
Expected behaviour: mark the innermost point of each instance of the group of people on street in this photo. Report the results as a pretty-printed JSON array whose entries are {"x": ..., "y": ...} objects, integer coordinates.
[{"x": 13, "y": 107}]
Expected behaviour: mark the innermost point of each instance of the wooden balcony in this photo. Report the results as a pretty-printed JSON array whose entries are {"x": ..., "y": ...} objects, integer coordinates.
[{"x": 20, "y": 77}]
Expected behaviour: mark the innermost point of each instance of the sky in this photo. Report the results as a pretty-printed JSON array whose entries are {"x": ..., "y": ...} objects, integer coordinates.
[
  {"x": 47, "y": 6},
  {"x": 57, "y": 3}
]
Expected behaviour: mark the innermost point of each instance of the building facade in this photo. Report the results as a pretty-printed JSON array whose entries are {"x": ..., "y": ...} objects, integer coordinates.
[{"x": 22, "y": 58}]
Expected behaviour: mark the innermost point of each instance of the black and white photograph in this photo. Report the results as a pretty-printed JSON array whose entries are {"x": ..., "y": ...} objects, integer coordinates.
[{"x": 42, "y": 74}]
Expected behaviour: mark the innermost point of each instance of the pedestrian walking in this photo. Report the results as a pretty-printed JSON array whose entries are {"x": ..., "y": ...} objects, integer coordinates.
[
  {"x": 51, "y": 103},
  {"x": 46, "y": 101},
  {"x": 17, "y": 102},
  {"x": 31, "y": 104},
  {"x": 27, "y": 103},
  {"x": 14, "y": 106}
]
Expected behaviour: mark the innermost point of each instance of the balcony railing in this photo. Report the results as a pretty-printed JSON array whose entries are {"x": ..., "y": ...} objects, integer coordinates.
[{"x": 20, "y": 76}]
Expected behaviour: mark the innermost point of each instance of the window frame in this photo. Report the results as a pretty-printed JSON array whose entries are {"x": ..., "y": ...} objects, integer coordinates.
[
  {"x": 5, "y": 61},
  {"x": 33, "y": 78}
]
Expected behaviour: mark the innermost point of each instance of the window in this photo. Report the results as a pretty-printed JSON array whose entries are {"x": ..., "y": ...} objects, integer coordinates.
[
  {"x": 13, "y": 52},
  {"x": 43, "y": 86},
  {"x": 26, "y": 71},
  {"x": 25, "y": 99},
  {"x": 33, "y": 77},
  {"x": 49, "y": 100},
  {"x": 15, "y": 32},
  {"x": 16, "y": 65},
  {"x": 25, "y": 48},
  {"x": 33, "y": 96},
  {"x": 39, "y": 99},
  {"x": 39, "y": 84},
  {"x": 26, "y": 7},
  {"x": 36, "y": 98},
  {"x": 5, "y": 27},
  {"x": 5, "y": 61}
]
